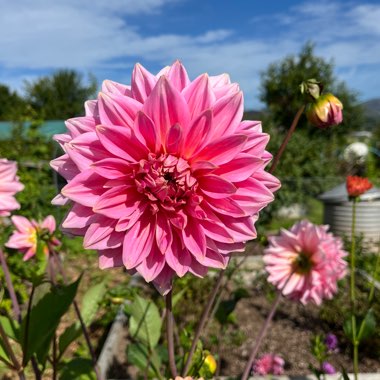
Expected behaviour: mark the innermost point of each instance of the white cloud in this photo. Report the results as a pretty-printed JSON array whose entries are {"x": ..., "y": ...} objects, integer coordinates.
[{"x": 106, "y": 37}]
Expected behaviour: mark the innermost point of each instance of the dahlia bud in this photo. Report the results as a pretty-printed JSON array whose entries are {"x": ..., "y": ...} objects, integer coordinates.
[
  {"x": 311, "y": 87},
  {"x": 325, "y": 111},
  {"x": 210, "y": 362}
]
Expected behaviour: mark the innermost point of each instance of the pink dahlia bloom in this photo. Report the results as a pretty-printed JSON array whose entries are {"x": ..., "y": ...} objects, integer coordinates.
[
  {"x": 9, "y": 186},
  {"x": 163, "y": 176},
  {"x": 27, "y": 233},
  {"x": 269, "y": 364},
  {"x": 306, "y": 262}
]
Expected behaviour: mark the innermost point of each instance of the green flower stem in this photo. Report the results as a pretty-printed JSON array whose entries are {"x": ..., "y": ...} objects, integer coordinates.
[
  {"x": 170, "y": 333},
  {"x": 352, "y": 290},
  {"x": 203, "y": 320},
  {"x": 263, "y": 331},
  {"x": 374, "y": 275},
  {"x": 11, "y": 289},
  {"x": 9, "y": 351}
]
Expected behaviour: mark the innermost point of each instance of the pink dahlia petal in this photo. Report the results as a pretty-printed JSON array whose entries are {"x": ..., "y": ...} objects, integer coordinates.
[
  {"x": 166, "y": 107},
  {"x": 198, "y": 133},
  {"x": 9, "y": 186},
  {"x": 177, "y": 76},
  {"x": 116, "y": 88},
  {"x": 116, "y": 138},
  {"x": 227, "y": 113},
  {"x": 117, "y": 110},
  {"x": 110, "y": 258},
  {"x": 299, "y": 262},
  {"x": 152, "y": 266},
  {"x": 49, "y": 223},
  {"x": 146, "y": 132},
  {"x": 143, "y": 83},
  {"x": 197, "y": 103},
  {"x": 164, "y": 177},
  {"x": 138, "y": 242},
  {"x": 223, "y": 149}
]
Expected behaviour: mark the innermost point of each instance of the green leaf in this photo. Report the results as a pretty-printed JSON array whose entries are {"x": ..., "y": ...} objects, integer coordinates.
[
  {"x": 367, "y": 326},
  {"x": 90, "y": 302},
  {"x": 178, "y": 296},
  {"x": 90, "y": 305},
  {"x": 344, "y": 374},
  {"x": 44, "y": 318},
  {"x": 138, "y": 355},
  {"x": 3, "y": 352},
  {"x": 78, "y": 369},
  {"x": 11, "y": 327},
  {"x": 347, "y": 328},
  {"x": 72, "y": 333},
  {"x": 145, "y": 322}
]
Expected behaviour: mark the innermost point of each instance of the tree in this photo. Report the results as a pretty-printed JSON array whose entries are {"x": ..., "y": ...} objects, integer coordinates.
[
  {"x": 61, "y": 95},
  {"x": 279, "y": 89},
  {"x": 11, "y": 104},
  {"x": 311, "y": 162}
]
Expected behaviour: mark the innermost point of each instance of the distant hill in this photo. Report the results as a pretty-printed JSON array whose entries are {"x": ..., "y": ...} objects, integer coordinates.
[{"x": 372, "y": 111}]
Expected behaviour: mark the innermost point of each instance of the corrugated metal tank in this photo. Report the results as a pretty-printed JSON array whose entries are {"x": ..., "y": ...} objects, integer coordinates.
[{"x": 338, "y": 213}]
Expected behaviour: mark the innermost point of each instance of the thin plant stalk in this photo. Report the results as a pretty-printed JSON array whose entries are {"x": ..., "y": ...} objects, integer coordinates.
[
  {"x": 263, "y": 331},
  {"x": 261, "y": 336},
  {"x": 12, "y": 356},
  {"x": 286, "y": 139},
  {"x": 374, "y": 275},
  {"x": 202, "y": 322},
  {"x": 11, "y": 290},
  {"x": 79, "y": 315},
  {"x": 170, "y": 333},
  {"x": 355, "y": 341}
]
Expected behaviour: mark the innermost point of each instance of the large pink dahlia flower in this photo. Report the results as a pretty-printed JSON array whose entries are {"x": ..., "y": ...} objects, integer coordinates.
[
  {"x": 306, "y": 262},
  {"x": 28, "y": 232},
  {"x": 163, "y": 175},
  {"x": 9, "y": 186}
]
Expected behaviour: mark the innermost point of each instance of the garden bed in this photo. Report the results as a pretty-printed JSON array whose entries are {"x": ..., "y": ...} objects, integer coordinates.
[{"x": 291, "y": 331}]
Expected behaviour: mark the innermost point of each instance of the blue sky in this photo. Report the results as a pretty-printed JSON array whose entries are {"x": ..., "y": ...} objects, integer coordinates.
[{"x": 240, "y": 37}]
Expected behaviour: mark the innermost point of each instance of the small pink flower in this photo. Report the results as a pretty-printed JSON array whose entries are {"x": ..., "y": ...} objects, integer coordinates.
[
  {"x": 311, "y": 257},
  {"x": 163, "y": 176},
  {"x": 27, "y": 233},
  {"x": 9, "y": 186},
  {"x": 325, "y": 111},
  {"x": 269, "y": 364}
]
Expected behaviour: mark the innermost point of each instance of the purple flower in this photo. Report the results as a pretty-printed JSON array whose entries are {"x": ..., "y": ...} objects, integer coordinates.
[
  {"x": 328, "y": 368},
  {"x": 331, "y": 342}
]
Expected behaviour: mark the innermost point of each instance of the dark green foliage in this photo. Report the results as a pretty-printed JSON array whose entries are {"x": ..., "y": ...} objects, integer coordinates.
[
  {"x": 61, "y": 95},
  {"x": 11, "y": 104},
  {"x": 280, "y": 91}
]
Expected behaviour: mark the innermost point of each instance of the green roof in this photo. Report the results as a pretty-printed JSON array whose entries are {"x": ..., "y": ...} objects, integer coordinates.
[{"x": 47, "y": 128}]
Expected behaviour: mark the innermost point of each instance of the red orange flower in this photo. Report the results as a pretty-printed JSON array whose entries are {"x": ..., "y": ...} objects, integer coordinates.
[{"x": 357, "y": 186}]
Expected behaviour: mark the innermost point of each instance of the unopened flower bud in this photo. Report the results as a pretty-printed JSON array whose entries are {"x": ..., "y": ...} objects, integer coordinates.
[
  {"x": 210, "y": 362},
  {"x": 325, "y": 111}
]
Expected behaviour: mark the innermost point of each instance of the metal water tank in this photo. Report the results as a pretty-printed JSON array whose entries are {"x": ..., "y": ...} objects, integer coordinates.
[{"x": 338, "y": 213}]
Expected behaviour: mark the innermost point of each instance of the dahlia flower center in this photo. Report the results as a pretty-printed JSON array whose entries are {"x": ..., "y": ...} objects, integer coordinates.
[
  {"x": 303, "y": 263},
  {"x": 166, "y": 181}
]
